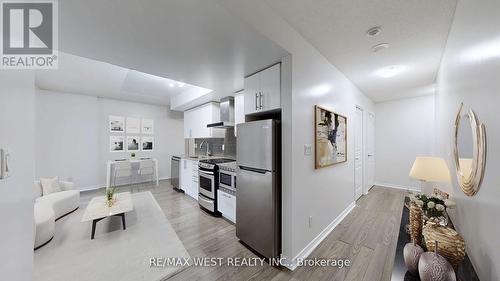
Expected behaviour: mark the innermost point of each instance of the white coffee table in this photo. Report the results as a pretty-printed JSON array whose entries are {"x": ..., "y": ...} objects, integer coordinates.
[{"x": 98, "y": 209}]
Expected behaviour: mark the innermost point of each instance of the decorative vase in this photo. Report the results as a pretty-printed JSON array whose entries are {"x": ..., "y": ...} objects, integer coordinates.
[
  {"x": 416, "y": 223},
  {"x": 411, "y": 254},
  {"x": 110, "y": 202},
  {"x": 451, "y": 244},
  {"x": 434, "y": 267}
]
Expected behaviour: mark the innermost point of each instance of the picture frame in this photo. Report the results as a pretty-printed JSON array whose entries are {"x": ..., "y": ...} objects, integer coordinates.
[
  {"x": 116, "y": 124},
  {"x": 133, "y": 125},
  {"x": 330, "y": 138},
  {"x": 147, "y": 126},
  {"x": 133, "y": 143},
  {"x": 116, "y": 144},
  {"x": 147, "y": 144}
]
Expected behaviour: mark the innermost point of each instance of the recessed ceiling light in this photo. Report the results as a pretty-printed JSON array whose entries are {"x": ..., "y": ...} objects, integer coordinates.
[
  {"x": 181, "y": 84},
  {"x": 380, "y": 46},
  {"x": 390, "y": 71},
  {"x": 171, "y": 85},
  {"x": 374, "y": 31}
]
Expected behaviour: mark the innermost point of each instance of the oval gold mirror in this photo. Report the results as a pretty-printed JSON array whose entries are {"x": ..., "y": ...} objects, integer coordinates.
[{"x": 469, "y": 150}]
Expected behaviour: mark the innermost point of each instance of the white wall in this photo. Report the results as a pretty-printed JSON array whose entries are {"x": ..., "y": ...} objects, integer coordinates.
[
  {"x": 73, "y": 136},
  {"x": 17, "y": 95},
  {"x": 475, "y": 82},
  {"x": 404, "y": 129},
  {"x": 323, "y": 194}
]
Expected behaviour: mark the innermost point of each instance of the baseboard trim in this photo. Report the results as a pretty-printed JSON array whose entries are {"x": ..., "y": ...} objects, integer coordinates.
[
  {"x": 292, "y": 264},
  {"x": 410, "y": 188}
]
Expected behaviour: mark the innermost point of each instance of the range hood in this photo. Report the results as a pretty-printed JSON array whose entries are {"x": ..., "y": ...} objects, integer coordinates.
[{"x": 226, "y": 114}]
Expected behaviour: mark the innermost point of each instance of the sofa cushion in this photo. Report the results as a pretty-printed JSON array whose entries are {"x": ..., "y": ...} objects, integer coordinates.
[
  {"x": 62, "y": 202},
  {"x": 50, "y": 185}
]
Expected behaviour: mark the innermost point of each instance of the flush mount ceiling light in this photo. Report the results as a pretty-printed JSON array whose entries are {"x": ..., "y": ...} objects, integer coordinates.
[
  {"x": 380, "y": 47},
  {"x": 484, "y": 51},
  {"x": 390, "y": 71},
  {"x": 374, "y": 31},
  {"x": 171, "y": 85}
]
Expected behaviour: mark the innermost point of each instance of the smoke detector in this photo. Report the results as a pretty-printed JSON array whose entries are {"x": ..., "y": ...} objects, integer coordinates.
[
  {"x": 380, "y": 46},
  {"x": 374, "y": 31}
]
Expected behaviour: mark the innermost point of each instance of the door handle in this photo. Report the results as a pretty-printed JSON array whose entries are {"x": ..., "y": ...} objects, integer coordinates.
[
  {"x": 260, "y": 100},
  {"x": 256, "y": 101},
  {"x": 370, "y": 155}
]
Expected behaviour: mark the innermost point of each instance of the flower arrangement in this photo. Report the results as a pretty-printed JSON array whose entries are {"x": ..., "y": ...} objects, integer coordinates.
[
  {"x": 110, "y": 193},
  {"x": 432, "y": 205}
]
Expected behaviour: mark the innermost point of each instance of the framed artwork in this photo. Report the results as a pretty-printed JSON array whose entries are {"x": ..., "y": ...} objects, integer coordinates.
[
  {"x": 330, "y": 133},
  {"x": 147, "y": 143},
  {"x": 116, "y": 124},
  {"x": 133, "y": 143},
  {"x": 116, "y": 143},
  {"x": 133, "y": 125},
  {"x": 148, "y": 126}
]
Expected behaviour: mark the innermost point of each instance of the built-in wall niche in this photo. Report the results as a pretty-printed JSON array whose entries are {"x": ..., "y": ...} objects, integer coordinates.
[{"x": 131, "y": 134}]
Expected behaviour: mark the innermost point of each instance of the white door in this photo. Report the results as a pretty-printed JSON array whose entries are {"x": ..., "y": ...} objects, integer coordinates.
[
  {"x": 358, "y": 153},
  {"x": 370, "y": 152}
]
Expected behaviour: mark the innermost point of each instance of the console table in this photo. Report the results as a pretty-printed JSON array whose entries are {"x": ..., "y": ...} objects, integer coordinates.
[
  {"x": 465, "y": 272},
  {"x": 110, "y": 166}
]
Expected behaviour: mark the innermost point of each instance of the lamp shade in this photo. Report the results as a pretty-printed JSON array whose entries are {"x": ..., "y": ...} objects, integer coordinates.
[{"x": 432, "y": 169}]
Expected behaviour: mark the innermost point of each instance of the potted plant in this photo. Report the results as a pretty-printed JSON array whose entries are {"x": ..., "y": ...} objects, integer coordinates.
[
  {"x": 132, "y": 155},
  {"x": 110, "y": 196}
]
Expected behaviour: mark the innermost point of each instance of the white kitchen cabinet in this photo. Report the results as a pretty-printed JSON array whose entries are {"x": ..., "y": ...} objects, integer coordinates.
[
  {"x": 263, "y": 90},
  {"x": 188, "y": 177},
  {"x": 239, "y": 110},
  {"x": 196, "y": 120},
  {"x": 226, "y": 204}
]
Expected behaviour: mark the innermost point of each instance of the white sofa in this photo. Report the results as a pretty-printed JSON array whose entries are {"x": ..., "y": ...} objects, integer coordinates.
[{"x": 51, "y": 207}]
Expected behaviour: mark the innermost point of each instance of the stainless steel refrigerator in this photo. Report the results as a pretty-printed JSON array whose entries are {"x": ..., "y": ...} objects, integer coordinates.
[{"x": 258, "y": 189}]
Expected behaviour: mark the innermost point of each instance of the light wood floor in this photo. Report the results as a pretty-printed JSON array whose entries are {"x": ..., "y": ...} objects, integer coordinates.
[{"x": 367, "y": 236}]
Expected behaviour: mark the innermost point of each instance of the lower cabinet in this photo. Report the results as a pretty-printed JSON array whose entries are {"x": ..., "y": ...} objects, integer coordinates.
[
  {"x": 188, "y": 177},
  {"x": 226, "y": 204}
]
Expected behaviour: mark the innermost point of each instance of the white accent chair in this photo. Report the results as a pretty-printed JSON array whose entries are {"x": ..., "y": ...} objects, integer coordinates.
[{"x": 51, "y": 207}]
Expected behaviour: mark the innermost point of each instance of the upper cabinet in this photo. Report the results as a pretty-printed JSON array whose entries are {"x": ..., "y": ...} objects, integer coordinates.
[
  {"x": 239, "y": 110},
  {"x": 196, "y": 120},
  {"x": 263, "y": 90}
]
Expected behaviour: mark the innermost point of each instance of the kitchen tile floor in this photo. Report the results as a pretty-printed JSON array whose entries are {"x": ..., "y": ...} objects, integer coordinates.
[{"x": 367, "y": 236}]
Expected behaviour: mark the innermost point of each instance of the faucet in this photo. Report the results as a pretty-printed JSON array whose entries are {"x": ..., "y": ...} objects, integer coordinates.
[{"x": 207, "y": 153}]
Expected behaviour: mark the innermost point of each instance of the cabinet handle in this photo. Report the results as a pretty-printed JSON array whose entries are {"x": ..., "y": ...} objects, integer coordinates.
[
  {"x": 260, "y": 100},
  {"x": 256, "y": 101}
]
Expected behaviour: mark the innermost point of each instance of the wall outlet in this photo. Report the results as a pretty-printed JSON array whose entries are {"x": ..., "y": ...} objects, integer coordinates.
[
  {"x": 310, "y": 221},
  {"x": 307, "y": 150}
]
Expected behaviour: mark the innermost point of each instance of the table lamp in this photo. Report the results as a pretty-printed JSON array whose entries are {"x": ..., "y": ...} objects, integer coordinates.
[{"x": 430, "y": 169}]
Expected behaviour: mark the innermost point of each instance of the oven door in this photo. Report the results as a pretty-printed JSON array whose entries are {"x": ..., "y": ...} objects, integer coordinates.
[
  {"x": 226, "y": 179},
  {"x": 207, "y": 183}
]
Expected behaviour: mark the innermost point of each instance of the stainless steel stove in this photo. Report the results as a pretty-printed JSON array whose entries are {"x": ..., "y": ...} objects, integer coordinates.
[{"x": 208, "y": 171}]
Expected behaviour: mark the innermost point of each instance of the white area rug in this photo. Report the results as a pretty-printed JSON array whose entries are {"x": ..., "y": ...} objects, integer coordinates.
[{"x": 114, "y": 254}]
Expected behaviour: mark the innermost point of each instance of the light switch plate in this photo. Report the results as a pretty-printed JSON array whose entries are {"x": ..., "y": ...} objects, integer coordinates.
[{"x": 307, "y": 149}]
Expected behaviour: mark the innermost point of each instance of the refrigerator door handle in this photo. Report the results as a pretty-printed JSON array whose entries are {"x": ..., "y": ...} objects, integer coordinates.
[
  {"x": 260, "y": 171},
  {"x": 256, "y": 101}
]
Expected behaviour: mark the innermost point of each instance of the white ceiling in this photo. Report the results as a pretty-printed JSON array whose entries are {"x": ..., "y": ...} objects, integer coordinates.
[
  {"x": 195, "y": 41},
  {"x": 415, "y": 29},
  {"x": 90, "y": 77}
]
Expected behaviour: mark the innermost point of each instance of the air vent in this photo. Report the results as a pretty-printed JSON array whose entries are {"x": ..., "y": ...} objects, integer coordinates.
[{"x": 374, "y": 31}]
